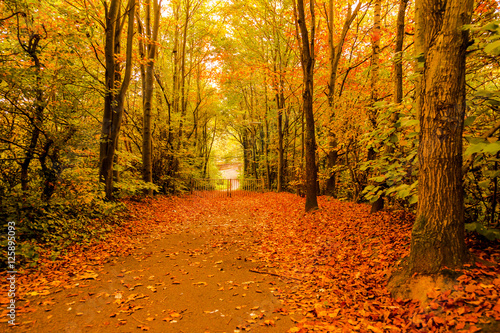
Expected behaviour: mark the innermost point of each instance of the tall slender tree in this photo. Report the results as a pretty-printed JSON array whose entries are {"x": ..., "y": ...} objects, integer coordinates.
[
  {"x": 306, "y": 44},
  {"x": 398, "y": 54},
  {"x": 335, "y": 53},
  {"x": 375, "y": 69},
  {"x": 149, "y": 34},
  {"x": 398, "y": 64},
  {"x": 116, "y": 87}
]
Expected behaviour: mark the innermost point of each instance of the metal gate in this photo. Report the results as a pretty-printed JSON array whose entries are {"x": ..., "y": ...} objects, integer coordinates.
[{"x": 208, "y": 187}]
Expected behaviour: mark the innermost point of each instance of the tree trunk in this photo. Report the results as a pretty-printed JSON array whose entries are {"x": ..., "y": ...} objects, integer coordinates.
[
  {"x": 375, "y": 67},
  {"x": 398, "y": 65},
  {"x": 398, "y": 55},
  {"x": 335, "y": 55},
  {"x": 266, "y": 140},
  {"x": 114, "y": 97},
  {"x": 37, "y": 120},
  {"x": 182, "y": 79},
  {"x": 176, "y": 8},
  {"x": 151, "y": 36},
  {"x": 307, "y": 61},
  {"x": 280, "y": 145},
  {"x": 438, "y": 233},
  {"x": 209, "y": 151}
]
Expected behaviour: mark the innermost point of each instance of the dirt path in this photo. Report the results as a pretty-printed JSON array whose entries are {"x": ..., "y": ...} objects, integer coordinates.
[
  {"x": 196, "y": 279},
  {"x": 230, "y": 171}
]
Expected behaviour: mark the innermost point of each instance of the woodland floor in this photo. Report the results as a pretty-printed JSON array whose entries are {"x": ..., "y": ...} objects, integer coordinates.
[{"x": 251, "y": 263}]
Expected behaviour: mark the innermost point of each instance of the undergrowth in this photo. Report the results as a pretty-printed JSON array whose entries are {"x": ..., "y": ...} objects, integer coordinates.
[{"x": 42, "y": 227}]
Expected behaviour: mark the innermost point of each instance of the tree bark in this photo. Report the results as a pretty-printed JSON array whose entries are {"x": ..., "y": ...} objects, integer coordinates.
[
  {"x": 335, "y": 55},
  {"x": 307, "y": 61},
  {"x": 151, "y": 36},
  {"x": 438, "y": 233},
  {"x": 176, "y": 7},
  {"x": 398, "y": 55},
  {"x": 182, "y": 74},
  {"x": 266, "y": 139},
  {"x": 375, "y": 68},
  {"x": 114, "y": 97},
  {"x": 37, "y": 119},
  {"x": 281, "y": 151},
  {"x": 398, "y": 64}
]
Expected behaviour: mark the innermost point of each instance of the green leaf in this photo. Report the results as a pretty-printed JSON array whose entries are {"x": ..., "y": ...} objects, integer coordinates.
[
  {"x": 492, "y": 148},
  {"x": 410, "y": 156},
  {"x": 374, "y": 198},
  {"x": 492, "y": 173},
  {"x": 396, "y": 188},
  {"x": 470, "y": 226},
  {"x": 484, "y": 183},
  {"x": 474, "y": 140},
  {"x": 409, "y": 122},
  {"x": 403, "y": 193},
  {"x": 469, "y": 120},
  {"x": 413, "y": 199},
  {"x": 473, "y": 149},
  {"x": 484, "y": 93},
  {"x": 493, "y": 48},
  {"x": 378, "y": 179},
  {"x": 483, "y": 146},
  {"x": 369, "y": 188},
  {"x": 492, "y": 27},
  {"x": 421, "y": 59},
  {"x": 490, "y": 234}
]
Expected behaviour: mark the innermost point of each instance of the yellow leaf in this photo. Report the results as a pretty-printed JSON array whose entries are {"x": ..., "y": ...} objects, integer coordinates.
[
  {"x": 89, "y": 275},
  {"x": 374, "y": 329},
  {"x": 269, "y": 322},
  {"x": 200, "y": 283},
  {"x": 322, "y": 313}
]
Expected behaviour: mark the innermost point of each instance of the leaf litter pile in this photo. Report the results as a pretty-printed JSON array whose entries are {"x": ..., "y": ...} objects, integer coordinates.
[{"x": 327, "y": 271}]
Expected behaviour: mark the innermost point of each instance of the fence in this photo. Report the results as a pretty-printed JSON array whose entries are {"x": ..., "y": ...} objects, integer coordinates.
[{"x": 207, "y": 187}]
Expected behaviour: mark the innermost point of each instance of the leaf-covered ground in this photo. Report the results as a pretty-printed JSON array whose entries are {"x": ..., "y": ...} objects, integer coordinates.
[{"x": 252, "y": 263}]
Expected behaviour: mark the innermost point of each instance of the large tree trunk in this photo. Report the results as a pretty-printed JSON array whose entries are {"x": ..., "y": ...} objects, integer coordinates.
[
  {"x": 114, "y": 97},
  {"x": 438, "y": 232},
  {"x": 307, "y": 61}
]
